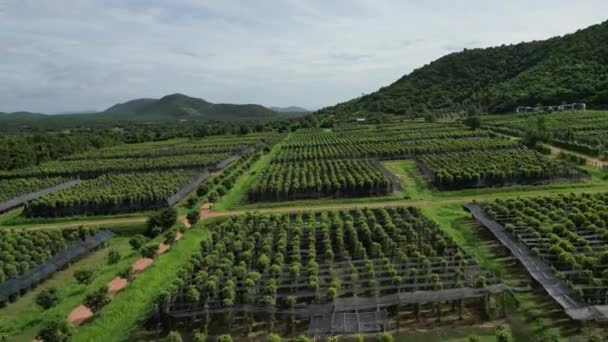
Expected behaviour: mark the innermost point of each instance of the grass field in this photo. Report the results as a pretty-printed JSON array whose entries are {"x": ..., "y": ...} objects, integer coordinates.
[
  {"x": 24, "y": 317},
  {"x": 133, "y": 305}
]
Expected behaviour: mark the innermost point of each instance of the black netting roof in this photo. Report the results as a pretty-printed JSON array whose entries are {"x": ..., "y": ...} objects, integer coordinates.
[
  {"x": 15, "y": 285},
  {"x": 12, "y": 203}
]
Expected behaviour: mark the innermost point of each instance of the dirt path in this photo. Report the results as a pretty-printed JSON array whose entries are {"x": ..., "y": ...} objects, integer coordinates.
[
  {"x": 592, "y": 161},
  {"x": 116, "y": 285},
  {"x": 80, "y": 315}
]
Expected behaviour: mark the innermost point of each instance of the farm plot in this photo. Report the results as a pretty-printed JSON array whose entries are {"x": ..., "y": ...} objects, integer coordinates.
[
  {"x": 258, "y": 265},
  {"x": 211, "y": 145},
  {"x": 568, "y": 233},
  {"x": 385, "y": 142},
  {"x": 585, "y": 132},
  {"x": 90, "y": 168},
  {"x": 112, "y": 194},
  {"x": 21, "y": 250},
  {"x": 320, "y": 178},
  {"x": 11, "y": 188},
  {"x": 493, "y": 168}
]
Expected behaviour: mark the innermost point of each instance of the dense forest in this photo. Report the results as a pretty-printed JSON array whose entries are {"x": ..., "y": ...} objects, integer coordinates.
[{"x": 572, "y": 68}]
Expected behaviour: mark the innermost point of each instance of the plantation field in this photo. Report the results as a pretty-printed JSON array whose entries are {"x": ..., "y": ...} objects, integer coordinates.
[
  {"x": 111, "y": 194},
  {"x": 372, "y": 212},
  {"x": 568, "y": 232},
  {"x": 295, "y": 260},
  {"x": 482, "y": 168},
  {"x": 585, "y": 132}
]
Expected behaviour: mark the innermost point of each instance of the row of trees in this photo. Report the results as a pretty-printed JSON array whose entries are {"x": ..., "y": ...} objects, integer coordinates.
[
  {"x": 89, "y": 168},
  {"x": 285, "y": 181},
  {"x": 21, "y": 250},
  {"x": 487, "y": 168},
  {"x": 568, "y": 232},
  {"x": 11, "y": 188}
]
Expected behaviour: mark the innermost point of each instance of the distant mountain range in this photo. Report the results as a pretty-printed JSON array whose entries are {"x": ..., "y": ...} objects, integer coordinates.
[
  {"x": 184, "y": 107},
  {"x": 175, "y": 107},
  {"x": 290, "y": 109},
  {"x": 572, "y": 68}
]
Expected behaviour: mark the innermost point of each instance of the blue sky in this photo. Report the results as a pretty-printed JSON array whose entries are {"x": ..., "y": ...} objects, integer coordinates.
[{"x": 69, "y": 55}]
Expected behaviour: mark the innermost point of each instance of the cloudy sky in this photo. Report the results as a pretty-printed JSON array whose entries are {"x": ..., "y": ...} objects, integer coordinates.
[{"x": 69, "y": 55}]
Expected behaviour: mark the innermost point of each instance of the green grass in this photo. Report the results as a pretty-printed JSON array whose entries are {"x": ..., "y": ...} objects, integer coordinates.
[
  {"x": 15, "y": 219},
  {"x": 451, "y": 334},
  {"x": 238, "y": 193},
  {"x": 24, "y": 317},
  {"x": 131, "y": 306}
]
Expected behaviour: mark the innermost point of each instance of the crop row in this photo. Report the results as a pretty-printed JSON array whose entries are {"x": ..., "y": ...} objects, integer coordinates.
[
  {"x": 486, "y": 168},
  {"x": 568, "y": 232},
  {"x": 219, "y": 144},
  {"x": 286, "y": 260},
  {"x": 318, "y": 178},
  {"x": 113, "y": 193},
  {"x": 94, "y": 167},
  {"x": 21, "y": 250},
  {"x": 390, "y": 150},
  {"x": 11, "y": 188}
]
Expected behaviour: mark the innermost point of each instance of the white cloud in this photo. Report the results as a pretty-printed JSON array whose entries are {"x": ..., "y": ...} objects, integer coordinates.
[{"x": 65, "y": 55}]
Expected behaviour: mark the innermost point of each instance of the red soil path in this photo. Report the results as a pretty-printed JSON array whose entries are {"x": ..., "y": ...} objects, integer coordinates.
[
  {"x": 179, "y": 235},
  {"x": 80, "y": 315},
  {"x": 142, "y": 264},
  {"x": 116, "y": 285},
  {"x": 162, "y": 248}
]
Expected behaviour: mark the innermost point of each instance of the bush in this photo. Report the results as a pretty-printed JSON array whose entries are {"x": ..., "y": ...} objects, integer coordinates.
[
  {"x": 113, "y": 256},
  {"x": 174, "y": 336},
  {"x": 84, "y": 276},
  {"x": 202, "y": 190},
  {"x": 213, "y": 197},
  {"x": 193, "y": 216},
  {"x": 273, "y": 338},
  {"x": 149, "y": 250},
  {"x": 97, "y": 300},
  {"x": 303, "y": 338},
  {"x": 164, "y": 219},
  {"x": 55, "y": 331},
  {"x": 200, "y": 337},
  {"x": 502, "y": 334},
  {"x": 127, "y": 273},
  {"x": 474, "y": 339},
  {"x": 170, "y": 236},
  {"x": 48, "y": 298},
  {"x": 386, "y": 337},
  {"x": 224, "y": 338},
  {"x": 138, "y": 241}
]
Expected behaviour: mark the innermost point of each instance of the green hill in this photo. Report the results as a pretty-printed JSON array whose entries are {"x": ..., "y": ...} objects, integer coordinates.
[
  {"x": 571, "y": 68},
  {"x": 182, "y": 106}
]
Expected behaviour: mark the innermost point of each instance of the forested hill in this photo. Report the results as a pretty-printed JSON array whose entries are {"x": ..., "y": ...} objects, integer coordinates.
[
  {"x": 572, "y": 68},
  {"x": 182, "y": 106}
]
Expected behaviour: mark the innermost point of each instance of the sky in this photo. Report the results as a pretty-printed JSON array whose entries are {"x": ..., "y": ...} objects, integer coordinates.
[{"x": 73, "y": 55}]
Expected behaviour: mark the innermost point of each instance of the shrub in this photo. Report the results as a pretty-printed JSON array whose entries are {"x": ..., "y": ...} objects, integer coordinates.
[
  {"x": 200, "y": 337},
  {"x": 127, "y": 273},
  {"x": 213, "y": 197},
  {"x": 273, "y": 338},
  {"x": 174, "y": 336},
  {"x": 55, "y": 331},
  {"x": 164, "y": 219},
  {"x": 84, "y": 276},
  {"x": 48, "y": 298},
  {"x": 138, "y": 241},
  {"x": 113, "y": 256},
  {"x": 502, "y": 334},
  {"x": 303, "y": 338},
  {"x": 386, "y": 337},
  {"x": 97, "y": 300},
  {"x": 193, "y": 216},
  {"x": 149, "y": 250},
  {"x": 224, "y": 338}
]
